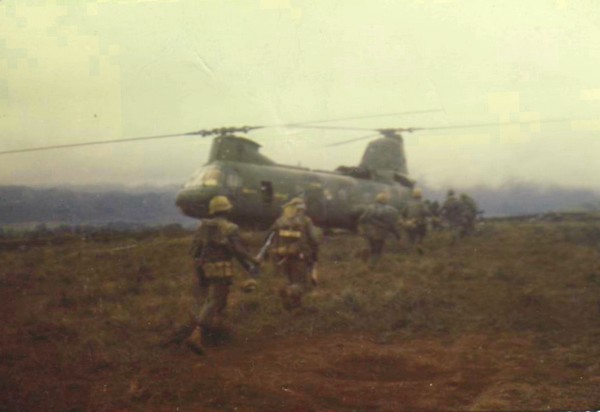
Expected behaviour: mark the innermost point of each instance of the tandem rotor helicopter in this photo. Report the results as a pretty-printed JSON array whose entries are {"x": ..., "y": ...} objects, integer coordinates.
[{"x": 258, "y": 186}]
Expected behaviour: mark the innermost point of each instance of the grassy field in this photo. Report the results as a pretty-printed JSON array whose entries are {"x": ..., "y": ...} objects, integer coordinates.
[{"x": 508, "y": 319}]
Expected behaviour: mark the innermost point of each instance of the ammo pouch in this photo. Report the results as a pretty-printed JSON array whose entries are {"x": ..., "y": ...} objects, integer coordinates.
[
  {"x": 214, "y": 270},
  {"x": 410, "y": 224},
  {"x": 289, "y": 242},
  {"x": 288, "y": 250},
  {"x": 290, "y": 234}
]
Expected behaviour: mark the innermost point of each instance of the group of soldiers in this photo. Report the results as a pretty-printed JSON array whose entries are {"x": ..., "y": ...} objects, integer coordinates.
[
  {"x": 292, "y": 244},
  {"x": 415, "y": 218}
]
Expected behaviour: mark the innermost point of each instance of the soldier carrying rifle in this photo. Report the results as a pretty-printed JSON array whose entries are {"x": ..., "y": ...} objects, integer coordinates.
[
  {"x": 414, "y": 219},
  {"x": 216, "y": 244},
  {"x": 377, "y": 221},
  {"x": 292, "y": 241}
]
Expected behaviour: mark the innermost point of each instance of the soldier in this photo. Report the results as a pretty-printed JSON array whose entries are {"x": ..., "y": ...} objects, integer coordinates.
[
  {"x": 216, "y": 244},
  {"x": 435, "y": 219},
  {"x": 295, "y": 249},
  {"x": 376, "y": 222},
  {"x": 469, "y": 214},
  {"x": 414, "y": 215},
  {"x": 451, "y": 213}
]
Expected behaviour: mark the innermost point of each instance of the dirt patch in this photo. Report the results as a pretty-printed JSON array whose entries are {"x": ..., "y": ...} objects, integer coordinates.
[
  {"x": 342, "y": 372},
  {"x": 382, "y": 368}
]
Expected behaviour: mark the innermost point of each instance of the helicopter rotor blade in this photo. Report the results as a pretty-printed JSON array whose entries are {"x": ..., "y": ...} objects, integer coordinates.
[
  {"x": 212, "y": 132},
  {"x": 416, "y": 129},
  {"x": 371, "y": 116},
  {"x": 309, "y": 126},
  {"x": 369, "y": 136},
  {"x": 476, "y": 125},
  {"x": 97, "y": 142},
  {"x": 304, "y": 125},
  {"x": 202, "y": 133}
]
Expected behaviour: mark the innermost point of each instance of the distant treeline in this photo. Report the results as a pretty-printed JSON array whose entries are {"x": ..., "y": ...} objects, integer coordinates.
[
  {"x": 28, "y": 206},
  {"x": 25, "y": 205}
]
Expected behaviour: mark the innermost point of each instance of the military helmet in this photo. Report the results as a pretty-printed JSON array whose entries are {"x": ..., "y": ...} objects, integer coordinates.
[
  {"x": 296, "y": 202},
  {"x": 219, "y": 204},
  {"x": 417, "y": 193},
  {"x": 383, "y": 197}
]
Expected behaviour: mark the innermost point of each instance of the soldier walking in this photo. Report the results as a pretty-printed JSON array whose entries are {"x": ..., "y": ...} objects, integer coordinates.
[
  {"x": 216, "y": 244},
  {"x": 469, "y": 214},
  {"x": 452, "y": 214},
  {"x": 414, "y": 219},
  {"x": 435, "y": 219},
  {"x": 376, "y": 222},
  {"x": 295, "y": 248}
]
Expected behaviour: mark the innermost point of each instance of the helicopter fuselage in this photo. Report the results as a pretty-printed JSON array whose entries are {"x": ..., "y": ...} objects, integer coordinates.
[
  {"x": 334, "y": 200},
  {"x": 258, "y": 187}
]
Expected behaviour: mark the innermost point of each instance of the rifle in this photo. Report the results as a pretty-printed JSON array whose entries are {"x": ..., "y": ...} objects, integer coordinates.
[
  {"x": 254, "y": 271},
  {"x": 263, "y": 250}
]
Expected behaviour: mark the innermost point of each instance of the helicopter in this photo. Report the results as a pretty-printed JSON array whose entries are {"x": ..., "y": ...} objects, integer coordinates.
[{"x": 258, "y": 187}]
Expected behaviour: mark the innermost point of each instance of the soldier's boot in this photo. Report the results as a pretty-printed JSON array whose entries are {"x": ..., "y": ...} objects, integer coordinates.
[
  {"x": 180, "y": 335},
  {"x": 194, "y": 341},
  {"x": 219, "y": 332}
]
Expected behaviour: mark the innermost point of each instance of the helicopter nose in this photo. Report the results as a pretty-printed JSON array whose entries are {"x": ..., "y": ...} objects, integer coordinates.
[{"x": 194, "y": 201}]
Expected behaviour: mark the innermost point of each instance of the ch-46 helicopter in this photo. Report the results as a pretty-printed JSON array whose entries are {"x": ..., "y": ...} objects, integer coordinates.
[{"x": 258, "y": 186}]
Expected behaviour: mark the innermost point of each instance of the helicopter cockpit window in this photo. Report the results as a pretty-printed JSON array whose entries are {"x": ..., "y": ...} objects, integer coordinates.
[{"x": 209, "y": 176}]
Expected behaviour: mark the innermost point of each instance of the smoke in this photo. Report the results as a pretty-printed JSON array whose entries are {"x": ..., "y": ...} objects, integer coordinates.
[{"x": 522, "y": 198}]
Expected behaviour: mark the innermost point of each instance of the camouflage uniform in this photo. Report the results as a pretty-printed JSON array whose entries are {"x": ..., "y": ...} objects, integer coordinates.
[
  {"x": 414, "y": 215},
  {"x": 216, "y": 244},
  {"x": 376, "y": 222},
  {"x": 434, "y": 213},
  {"x": 295, "y": 249},
  {"x": 469, "y": 214},
  {"x": 452, "y": 213}
]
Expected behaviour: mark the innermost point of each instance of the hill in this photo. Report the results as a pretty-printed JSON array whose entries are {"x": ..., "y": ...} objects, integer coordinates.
[
  {"x": 19, "y": 204},
  {"x": 155, "y": 206}
]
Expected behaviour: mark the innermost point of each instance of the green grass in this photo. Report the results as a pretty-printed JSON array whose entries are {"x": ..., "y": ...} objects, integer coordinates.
[{"x": 82, "y": 322}]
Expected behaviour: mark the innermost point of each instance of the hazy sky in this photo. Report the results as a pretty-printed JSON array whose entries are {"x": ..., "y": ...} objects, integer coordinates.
[{"x": 75, "y": 70}]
